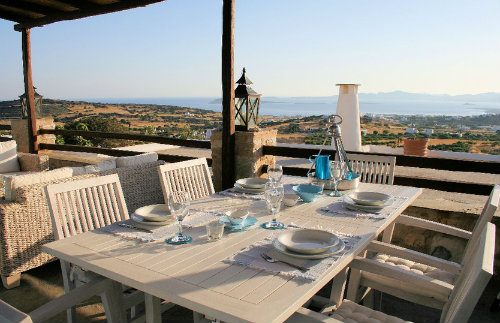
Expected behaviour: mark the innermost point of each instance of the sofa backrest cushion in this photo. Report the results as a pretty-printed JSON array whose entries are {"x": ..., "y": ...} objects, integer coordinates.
[
  {"x": 101, "y": 167},
  {"x": 8, "y": 157},
  {"x": 137, "y": 160},
  {"x": 14, "y": 182}
]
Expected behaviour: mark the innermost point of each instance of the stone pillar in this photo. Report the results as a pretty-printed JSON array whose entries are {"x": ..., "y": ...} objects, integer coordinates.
[
  {"x": 20, "y": 132},
  {"x": 348, "y": 109},
  {"x": 249, "y": 159}
]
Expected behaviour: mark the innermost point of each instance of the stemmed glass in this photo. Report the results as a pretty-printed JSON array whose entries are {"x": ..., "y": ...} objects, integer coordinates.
[
  {"x": 335, "y": 178},
  {"x": 274, "y": 195},
  {"x": 274, "y": 173},
  {"x": 178, "y": 204}
]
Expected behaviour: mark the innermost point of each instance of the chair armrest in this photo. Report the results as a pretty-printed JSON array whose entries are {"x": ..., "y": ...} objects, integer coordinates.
[
  {"x": 404, "y": 277},
  {"x": 71, "y": 298},
  {"x": 434, "y": 226},
  {"x": 401, "y": 252},
  {"x": 33, "y": 162}
]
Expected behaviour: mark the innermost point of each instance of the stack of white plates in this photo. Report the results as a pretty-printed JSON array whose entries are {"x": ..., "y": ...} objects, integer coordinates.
[
  {"x": 308, "y": 244},
  {"x": 251, "y": 185},
  {"x": 152, "y": 215},
  {"x": 367, "y": 201}
]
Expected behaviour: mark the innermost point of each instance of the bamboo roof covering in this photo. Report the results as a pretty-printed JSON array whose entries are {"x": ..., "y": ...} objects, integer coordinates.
[{"x": 36, "y": 13}]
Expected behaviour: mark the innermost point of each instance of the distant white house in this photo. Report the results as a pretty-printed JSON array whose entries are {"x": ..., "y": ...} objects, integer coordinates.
[
  {"x": 364, "y": 132},
  {"x": 403, "y": 119},
  {"x": 411, "y": 130},
  {"x": 188, "y": 114},
  {"x": 428, "y": 132},
  {"x": 462, "y": 127}
]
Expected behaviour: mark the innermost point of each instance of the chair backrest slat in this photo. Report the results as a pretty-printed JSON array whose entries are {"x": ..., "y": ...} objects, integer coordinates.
[
  {"x": 192, "y": 176},
  {"x": 489, "y": 210},
  {"x": 373, "y": 168},
  {"x": 473, "y": 279},
  {"x": 84, "y": 205}
]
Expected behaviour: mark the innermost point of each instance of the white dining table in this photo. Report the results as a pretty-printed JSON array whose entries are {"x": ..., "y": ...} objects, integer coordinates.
[{"x": 197, "y": 275}]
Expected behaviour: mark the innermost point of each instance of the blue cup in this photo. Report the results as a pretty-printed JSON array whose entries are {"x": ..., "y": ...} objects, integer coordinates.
[{"x": 322, "y": 165}]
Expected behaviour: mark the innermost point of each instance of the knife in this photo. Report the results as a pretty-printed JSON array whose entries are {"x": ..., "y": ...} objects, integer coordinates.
[{"x": 130, "y": 226}]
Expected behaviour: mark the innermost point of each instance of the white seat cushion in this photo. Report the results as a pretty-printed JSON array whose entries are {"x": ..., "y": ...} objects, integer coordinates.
[
  {"x": 371, "y": 279},
  {"x": 416, "y": 267},
  {"x": 136, "y": 160},
  {"x": 8, "y": 157},
  {"x": 14, "y": 182},
  {"x": 350, "y": 312}
]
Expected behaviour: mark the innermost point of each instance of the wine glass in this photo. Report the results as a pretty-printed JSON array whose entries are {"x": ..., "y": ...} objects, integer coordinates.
[
  {"x": 274, "y": 173},
  {"x": 178, "y": 204},
  {"x": 335, "y": 178},
  {"x": 274, "y": 195}
]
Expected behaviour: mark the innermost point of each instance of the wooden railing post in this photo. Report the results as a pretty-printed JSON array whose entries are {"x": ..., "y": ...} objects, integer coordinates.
[
  {"x": 29, "y": 90},
  {"x": 228, "y": 129}
]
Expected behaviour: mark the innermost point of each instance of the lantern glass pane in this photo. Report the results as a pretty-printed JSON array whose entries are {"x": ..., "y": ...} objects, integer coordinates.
[{"x": 240, "y": 111}]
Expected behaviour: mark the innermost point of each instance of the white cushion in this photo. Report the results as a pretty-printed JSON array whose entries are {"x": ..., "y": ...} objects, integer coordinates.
[
  {"x": 350, "y": 312},
  {"x": 136, "y": 160},
  {"x": 14, "y": 182},
  {"x": 416, "y": 267},
  {"x": 8, "y": 157},
  {"x": 102, "y": 166}
]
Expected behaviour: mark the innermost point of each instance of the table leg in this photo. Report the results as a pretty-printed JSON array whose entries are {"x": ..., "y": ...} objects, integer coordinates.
[{"x": 153, "y": 310}]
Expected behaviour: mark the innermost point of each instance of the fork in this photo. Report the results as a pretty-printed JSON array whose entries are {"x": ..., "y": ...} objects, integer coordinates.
[{"x": 272, "y": 260}]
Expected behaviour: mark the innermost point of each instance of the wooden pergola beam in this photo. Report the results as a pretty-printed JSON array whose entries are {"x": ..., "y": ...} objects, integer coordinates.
[
  {"x": 30, "y": 91},
  {"x": 91, "y": 9},
  {"x": 32, "y": 7},
  {"x": 228, "y": 129}
]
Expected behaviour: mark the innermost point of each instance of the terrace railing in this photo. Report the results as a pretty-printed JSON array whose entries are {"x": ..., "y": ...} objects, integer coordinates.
[
  {"x": 125, "y": 136},
  {"x": 447, "y": 164},
  {"x": 410, "y": 161}
]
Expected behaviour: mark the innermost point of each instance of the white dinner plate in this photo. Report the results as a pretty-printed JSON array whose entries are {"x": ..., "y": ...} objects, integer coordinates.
[
  {"x": 155, "y": 212},
  {"x": 307, "y": 241},
  {"x": 241, "y": 189},
  {"x": 330, "y": 252},
  {"x": 373, "y": 208},
  {"x": 148, "y": 224},
  {"x": 369, "y": 198},
  {"x": 258, "y": 183}
]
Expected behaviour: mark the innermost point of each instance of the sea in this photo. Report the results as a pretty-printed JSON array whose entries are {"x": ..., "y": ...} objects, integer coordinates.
[{"x": 308, "y": 106}]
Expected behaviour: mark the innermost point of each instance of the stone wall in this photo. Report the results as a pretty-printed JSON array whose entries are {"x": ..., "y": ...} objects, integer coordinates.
[
  {"x": 20, "y": 132},
  {"x": 249, "y": 160},
  {"x": 438, "y": 244}
]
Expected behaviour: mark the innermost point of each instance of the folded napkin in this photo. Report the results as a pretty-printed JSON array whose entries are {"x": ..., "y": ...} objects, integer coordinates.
[
  {"x": 195, "y": 219},
  {"x": 251, "y": 257}
]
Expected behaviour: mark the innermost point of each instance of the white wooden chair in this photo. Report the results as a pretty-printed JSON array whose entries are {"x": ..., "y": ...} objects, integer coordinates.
[
  {"x": 10, "y": 314},
  {"x": 373, "y": 168},
  {"x": 418, "y": 277},
  {"x": 192, "y": 176},
  {"x": 79, "y": 206},
  {"x": 462, "y": 299}
]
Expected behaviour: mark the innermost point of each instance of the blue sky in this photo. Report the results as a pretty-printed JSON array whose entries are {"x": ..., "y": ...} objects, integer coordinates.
[{"x": 290, "y": 48}]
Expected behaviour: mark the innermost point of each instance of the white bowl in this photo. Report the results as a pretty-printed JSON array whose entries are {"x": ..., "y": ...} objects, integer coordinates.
[
  {"x": 290, "y": 199},
  {"x": 308, "y": 241},
  {"x": 349, "y": 184},
  {"x": 154, "y": 212},
  {"x": 369, "y": 198},
  {"x": 237, "y": 217},
  {"x": 254, "y": 182}
]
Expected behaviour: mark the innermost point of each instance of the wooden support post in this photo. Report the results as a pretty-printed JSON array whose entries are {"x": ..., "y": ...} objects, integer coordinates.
[
  {"x": 228, "y": 129},
  {"x": 30, "y": 92}
]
